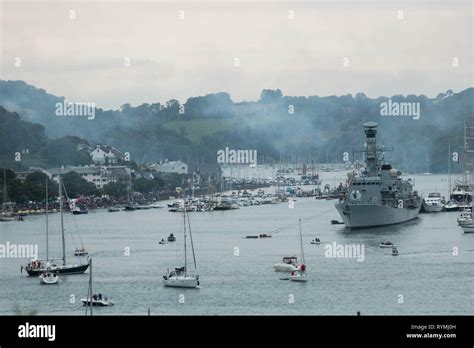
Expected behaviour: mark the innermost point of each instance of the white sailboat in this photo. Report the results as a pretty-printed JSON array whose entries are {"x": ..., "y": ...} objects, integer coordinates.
[
  {"x": 300, "y": 274},
  {"x": 179, "y": 277}
]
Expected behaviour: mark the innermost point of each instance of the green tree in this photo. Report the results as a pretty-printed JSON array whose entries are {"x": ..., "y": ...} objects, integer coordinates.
[
  {"x": 115, "y": 189},
  {"x": 77, "y": 186}
]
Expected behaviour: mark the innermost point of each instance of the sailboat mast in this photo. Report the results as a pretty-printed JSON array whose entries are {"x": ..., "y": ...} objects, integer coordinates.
[
  {"x": 90, "y": 284},
  {"x": 47, "y": 221},
  {"x": 4, "y": 202},
  {"x": 449, "y": 169},
  {"x": 192, "y": 244},
  {"x": 405, "y": 162},
  {"x": 129, "y": 187},
  {"x": 465, "y": 152},
  {"x": 62, "y": 218},
  {"x": 184, "y": 225},
  {"x": 301, "y": 244}
]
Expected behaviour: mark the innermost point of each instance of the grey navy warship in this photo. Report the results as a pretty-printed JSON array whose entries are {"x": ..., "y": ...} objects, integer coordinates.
[{"x": 377, "y": 196}]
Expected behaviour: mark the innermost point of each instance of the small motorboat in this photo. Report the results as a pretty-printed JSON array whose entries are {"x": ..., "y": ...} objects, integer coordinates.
[
  {"x": 465, "y": 218},
  {"x": 288, "y": 264},
  {"x": 394, "y": 251},
  {"x": 129, "y": 207},
  {"x": 80, "y": 252},
  {"x": 451, "y": 206},
  {"x": 80, "y": 211},
  {"x": 386, "y": 244},
  {"x": 49, "y": 278},
  {"x": 143, "y": 207},
  {"x": 113, "y": 210},
  {"x": 264, "y": 235},
  {"x": 163, "y": 241},
  {"x": 336, "y": 222},
  {"x": 251, "y": 237},
  {"x": 316, "y": 241},
  {"x": 299, "y": 275},
  {"x": 97, "y": 301},
  {"x": 171, "y": 238}
]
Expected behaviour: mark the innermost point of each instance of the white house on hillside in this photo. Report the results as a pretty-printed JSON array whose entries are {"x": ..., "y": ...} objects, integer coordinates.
[{"x": 105, "y": 154}]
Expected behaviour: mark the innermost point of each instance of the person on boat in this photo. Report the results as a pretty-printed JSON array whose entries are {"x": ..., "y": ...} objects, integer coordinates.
[
  {"x": 303, "y": 267},
  {"x": 94, "y": 297},
  {"x": 100, "y": 296}
]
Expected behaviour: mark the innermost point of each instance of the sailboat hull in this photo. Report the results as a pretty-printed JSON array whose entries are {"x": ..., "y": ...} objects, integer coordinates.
[
  {"x": 181, "y": 282},
  {"x": 68, "y": 269},
  {"x": 298, "y": 277}
]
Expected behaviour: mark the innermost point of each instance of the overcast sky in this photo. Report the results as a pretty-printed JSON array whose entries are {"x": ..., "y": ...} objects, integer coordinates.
[{"x": 83, "y": 58}]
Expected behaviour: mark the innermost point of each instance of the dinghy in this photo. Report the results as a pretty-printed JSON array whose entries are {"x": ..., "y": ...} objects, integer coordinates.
[
  {"x": 386, "y": 244},
  {"x": 80, "y": 252},
  {"x": 49, "y": 278},
  {"x": 97, "y": 301}
]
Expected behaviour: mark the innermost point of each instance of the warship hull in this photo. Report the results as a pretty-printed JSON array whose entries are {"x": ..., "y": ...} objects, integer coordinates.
[{"x": 370, "y": 215}]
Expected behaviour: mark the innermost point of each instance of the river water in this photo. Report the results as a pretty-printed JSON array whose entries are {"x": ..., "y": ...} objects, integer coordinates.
[{"x": 432, "y": 275}]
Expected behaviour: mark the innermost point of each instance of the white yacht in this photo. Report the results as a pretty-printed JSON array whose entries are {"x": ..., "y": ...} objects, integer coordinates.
[
  {"x": 462, "y": 195},
  {"x": 288, "y": 264},
  {"x": 433, "y": 203}
]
